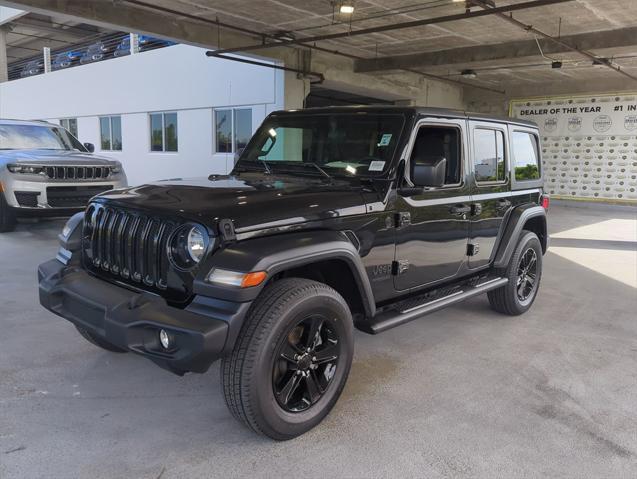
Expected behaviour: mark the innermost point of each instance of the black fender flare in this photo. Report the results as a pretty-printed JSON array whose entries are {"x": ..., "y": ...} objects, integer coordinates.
[
  {"x": 517, "y": 219},
  {"x": 278, "y": 253}
]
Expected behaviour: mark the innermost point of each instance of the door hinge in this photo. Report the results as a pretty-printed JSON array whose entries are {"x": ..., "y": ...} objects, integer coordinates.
[
  {"x": 403, "y": 219},
  {"x": 473, "y": 249},
  {"x": 226, "y": 229},
  {"x": 399, "y": 267}
]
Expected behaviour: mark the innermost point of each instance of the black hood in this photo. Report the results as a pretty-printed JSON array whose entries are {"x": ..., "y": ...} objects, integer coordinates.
[{"x": 251, "y": 201}]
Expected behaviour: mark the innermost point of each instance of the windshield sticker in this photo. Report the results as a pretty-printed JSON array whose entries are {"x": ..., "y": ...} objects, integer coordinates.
[
  {"x": 376, "y": 165},
  {"x": 385, "y": 139}
]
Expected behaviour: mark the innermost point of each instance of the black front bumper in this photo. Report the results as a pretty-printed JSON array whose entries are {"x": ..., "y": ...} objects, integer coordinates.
[{"x": 201, "y": 333}]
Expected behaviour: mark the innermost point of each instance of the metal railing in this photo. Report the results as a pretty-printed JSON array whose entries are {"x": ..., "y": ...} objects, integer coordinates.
[{"x": 94, "y": 49}]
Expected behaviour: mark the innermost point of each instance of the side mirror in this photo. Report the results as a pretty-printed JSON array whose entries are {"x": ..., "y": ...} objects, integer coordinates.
[
  {"x": 90, "y": 147},
  {"x": 430, "y": 174}
]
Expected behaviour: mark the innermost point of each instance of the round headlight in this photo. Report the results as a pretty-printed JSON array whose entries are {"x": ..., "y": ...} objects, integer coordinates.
[
  {"x": 188, "y": 246},
  {"x": 196, "y": 244}
]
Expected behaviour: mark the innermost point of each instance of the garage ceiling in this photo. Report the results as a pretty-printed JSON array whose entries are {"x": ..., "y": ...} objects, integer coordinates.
[
  {"x": 309, "y": 18},
  {"x": 505, "y": 56}
]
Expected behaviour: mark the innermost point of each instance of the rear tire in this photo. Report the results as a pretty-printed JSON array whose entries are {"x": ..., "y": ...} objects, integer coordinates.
[
  {"x": 99, "y": 342},
  {"x": 291, "y": 359},
  {"x": 7, "y": 216},
  {"x": 524, "y": 273}
]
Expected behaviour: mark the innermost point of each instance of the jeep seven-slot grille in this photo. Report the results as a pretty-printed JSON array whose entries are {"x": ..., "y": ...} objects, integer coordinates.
[
  {"x": 78, "y": 172},
  {"x": 130, "y": 246}
]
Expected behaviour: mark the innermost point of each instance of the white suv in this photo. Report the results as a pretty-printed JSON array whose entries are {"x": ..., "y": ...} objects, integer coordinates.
[{"x": 46, "y": 171}]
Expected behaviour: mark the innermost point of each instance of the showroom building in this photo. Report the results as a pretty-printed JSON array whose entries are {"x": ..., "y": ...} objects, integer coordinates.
[{"x": 163, "y": 113}]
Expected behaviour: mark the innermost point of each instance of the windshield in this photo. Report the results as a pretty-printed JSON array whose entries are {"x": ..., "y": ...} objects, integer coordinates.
[
  {"x": 349, "y": 144},
  {"x": 36, "y": 137}
]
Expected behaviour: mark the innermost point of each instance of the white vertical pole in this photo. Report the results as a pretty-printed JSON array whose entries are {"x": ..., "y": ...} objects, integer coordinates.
[
  {"x": 134, "y": 43},
  {"x": 46, "y": 51}
]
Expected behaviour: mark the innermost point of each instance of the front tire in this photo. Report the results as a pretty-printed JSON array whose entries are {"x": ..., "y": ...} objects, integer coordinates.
[
  {"x": 524, "y": 273},
  {"x": 99, "y": 342},
  {"x": 291, "y": 360},
  {"x": 7, "y": 216}
]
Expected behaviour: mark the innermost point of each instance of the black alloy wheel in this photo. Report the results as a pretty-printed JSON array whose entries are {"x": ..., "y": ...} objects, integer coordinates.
[
  {"x": 527, "y": 274},
  {"x": 305, "y": 363},
  {"x": 291, "y": 359},
  {"x": 524, "y": 273}
]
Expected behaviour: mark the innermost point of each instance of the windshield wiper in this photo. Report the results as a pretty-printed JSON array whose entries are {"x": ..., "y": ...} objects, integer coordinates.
[
  {"x": 321, "y": 170},
  {"x": 266, "y": 166}
]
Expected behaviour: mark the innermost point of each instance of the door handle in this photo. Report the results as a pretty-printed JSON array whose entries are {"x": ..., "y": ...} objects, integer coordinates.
[{"x": 460, "y": 210}]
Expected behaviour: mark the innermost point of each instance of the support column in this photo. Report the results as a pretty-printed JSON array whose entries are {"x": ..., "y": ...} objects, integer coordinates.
[
  {"x": 4, "y": 66},
  {"x": 134, "y": 43},
  {"x": 46, "y": 53}
]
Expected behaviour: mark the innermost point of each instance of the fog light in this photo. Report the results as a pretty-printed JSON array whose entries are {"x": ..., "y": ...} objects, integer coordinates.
[{"x": 164, "y": 339}]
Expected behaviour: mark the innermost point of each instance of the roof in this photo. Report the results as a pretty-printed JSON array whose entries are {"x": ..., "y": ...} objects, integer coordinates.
[
  {"x": 10, "y": 121},
  {"x": 414, "y": 110}
]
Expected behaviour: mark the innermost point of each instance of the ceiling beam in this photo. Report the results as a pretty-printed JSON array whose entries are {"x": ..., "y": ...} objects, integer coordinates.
[
  {"x": 397, "y": 26},
  {"x": 623, "y": 37},
  {"x": 531, "y": 29}
]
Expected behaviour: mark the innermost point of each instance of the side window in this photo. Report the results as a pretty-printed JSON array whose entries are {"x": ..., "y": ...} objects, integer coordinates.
[
  {"x": 163, "y": 132},
  {"x": 233, "y": 129},
  {"x": 70, "y": 124},
  {"x": 434, "y": 142},
  {"x": 111, "y": 133},
  {"x": 488, "y": 161},
  {"x": 525, "y": 153}
]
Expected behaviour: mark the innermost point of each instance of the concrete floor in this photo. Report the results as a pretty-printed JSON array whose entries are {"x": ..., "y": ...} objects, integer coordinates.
[{"x": 462, "y": 393}]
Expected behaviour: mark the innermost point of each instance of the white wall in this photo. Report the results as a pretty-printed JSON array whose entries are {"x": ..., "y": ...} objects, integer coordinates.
[{"x": 178, "y": 78}]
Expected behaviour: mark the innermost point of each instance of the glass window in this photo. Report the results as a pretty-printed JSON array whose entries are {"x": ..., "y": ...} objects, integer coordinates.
[
  {"x": 525, "y": 152},
  {"x": 111, "y": 133},
  {"x": 489, "y": 162},
  {"x": 318, "y": 144},
  {"x": 116, "y": 132},
  {"x": 170, "y": 131},
  {"x": 223, "y": 131},
  {"x": 242, "y": 128},
  {"x": 435, "y": 142},
  {"x": 70, "y": 124},
  {"x": 105, "y": 133},
  {"x": 163, "y": 132},
  {"x": 28, "y": 137},
  {"x": 233, "y": 129},
  {"x": 156, "y": 133}
]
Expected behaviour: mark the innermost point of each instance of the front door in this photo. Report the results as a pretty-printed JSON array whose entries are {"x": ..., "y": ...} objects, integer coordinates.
[
  {"x": 491, "y": 190},
  {"x": 433, "y": 226}
]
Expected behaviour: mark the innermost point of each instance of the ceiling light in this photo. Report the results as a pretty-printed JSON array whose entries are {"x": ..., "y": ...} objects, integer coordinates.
[
  {"x": 468, "y": 74},
  {"x": 556, "y": 64},
  {"x": 347, "y": 8}
]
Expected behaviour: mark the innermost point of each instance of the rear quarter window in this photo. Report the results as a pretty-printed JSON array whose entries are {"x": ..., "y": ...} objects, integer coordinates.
[{"x": 525, "y": 156}]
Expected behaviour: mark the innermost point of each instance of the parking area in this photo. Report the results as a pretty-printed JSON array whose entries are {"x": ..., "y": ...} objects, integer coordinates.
[{"x": 464, "y": 392}]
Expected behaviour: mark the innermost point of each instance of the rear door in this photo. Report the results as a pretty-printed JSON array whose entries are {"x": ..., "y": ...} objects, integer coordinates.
[
  {"x": 491, "y": 196},
  {"x": 433, "y": 226}
]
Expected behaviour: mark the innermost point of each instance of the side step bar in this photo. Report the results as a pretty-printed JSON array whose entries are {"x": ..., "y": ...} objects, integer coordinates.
[{"x": 392, "y": 318}]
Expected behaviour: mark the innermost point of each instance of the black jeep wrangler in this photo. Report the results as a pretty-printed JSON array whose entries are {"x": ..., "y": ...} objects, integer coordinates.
[{"x": 331, "y": 219}]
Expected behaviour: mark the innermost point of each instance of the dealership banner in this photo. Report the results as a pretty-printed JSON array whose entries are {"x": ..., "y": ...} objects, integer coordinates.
[{"x": 589, "y": 144}]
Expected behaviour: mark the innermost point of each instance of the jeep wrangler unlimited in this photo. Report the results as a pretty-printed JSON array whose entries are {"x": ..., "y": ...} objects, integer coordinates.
[{"x": 332, "y": 218}]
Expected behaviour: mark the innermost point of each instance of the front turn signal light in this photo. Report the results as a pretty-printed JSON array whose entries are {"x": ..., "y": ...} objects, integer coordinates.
[
  {"x": 224, "y": 277},
  {"x": 253, "y": 279}
]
